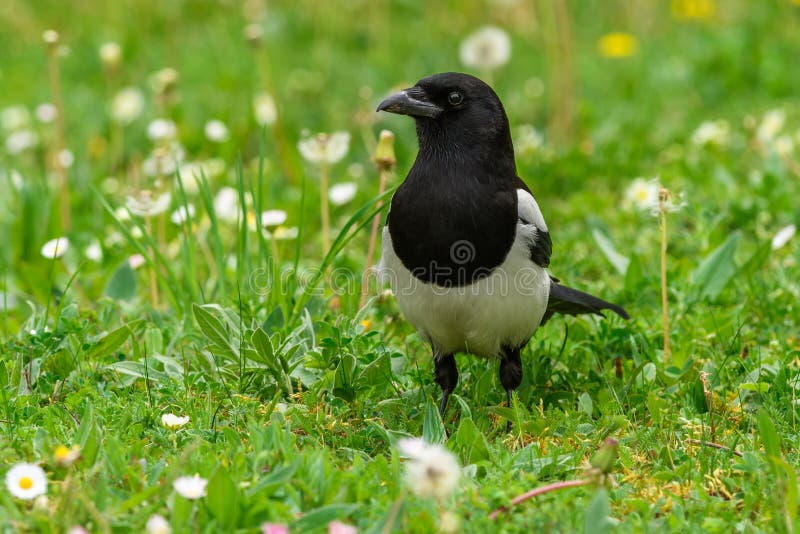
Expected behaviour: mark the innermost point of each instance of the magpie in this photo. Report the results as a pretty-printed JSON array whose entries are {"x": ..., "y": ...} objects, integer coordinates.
[{"x": 466, "y": 249}]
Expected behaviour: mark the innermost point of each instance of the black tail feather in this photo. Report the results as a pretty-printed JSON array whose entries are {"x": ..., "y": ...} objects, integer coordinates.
[{"x": 568, "y": 301}]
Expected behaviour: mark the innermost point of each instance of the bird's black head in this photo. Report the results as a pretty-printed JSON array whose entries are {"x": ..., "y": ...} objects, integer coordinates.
[{"x": 454, "y": 110}]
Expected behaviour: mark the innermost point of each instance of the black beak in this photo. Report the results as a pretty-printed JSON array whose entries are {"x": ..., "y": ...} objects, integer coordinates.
[{"x": 413, "y": 102}]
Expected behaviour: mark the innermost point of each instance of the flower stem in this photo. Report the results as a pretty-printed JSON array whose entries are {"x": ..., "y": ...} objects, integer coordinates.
[
  {"x": 60, "y": 141},
  {"x": 664, "y": 309},
  {"x": 539, "y": 491},
  {"x": 153, "y": 281},
  {"x": 326, "y": 222}
]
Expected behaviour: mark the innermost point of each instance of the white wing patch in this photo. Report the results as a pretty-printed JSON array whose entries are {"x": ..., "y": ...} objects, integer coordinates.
[{"x": 528, "y": 210}]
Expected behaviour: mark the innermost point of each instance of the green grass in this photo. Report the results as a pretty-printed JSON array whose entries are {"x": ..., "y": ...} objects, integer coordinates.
[{"x": 296, "y": 396}]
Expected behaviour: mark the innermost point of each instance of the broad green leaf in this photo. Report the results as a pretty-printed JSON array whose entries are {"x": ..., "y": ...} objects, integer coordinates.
[
  {"x": 433, "y": 430},
  {"x": 716, "y": 270},
  {"x": 319, "y": 518},
  {"x": 222, "y": 498},
  {"x": 597, "y": 514},
  {"x": 585, "y": 404},
  {"x": 109, "y": 343},
  {"x": 769, "y": 436},
  {"x": 471, "y": 442},
  {"x": 616, "y": 259},
  {"x": 122, "y": 285},
  {"x": 214, "y": 329},
  {"x": 138, "y": 370}
]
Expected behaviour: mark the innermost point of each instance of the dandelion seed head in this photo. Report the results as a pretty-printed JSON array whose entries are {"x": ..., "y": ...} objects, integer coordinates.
[
  {"x": 46, "y": 112},
  {"x": 325, "y": 148},
  {"x": 157, "y": 524},
  {"x": 110, "y": 54},
  {"x": 264, "y": 109},
  {"x": 486, "y": 49},
  {"x": 20, "y": 141},
  {"x": 431, "y": 470},
  {"x": 216, "y": 131},
  {"x": 127, "y": 105},
  {"x": 341, "y": 194}
]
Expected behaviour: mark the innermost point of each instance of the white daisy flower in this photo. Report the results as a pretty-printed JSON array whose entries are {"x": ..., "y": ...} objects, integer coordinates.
[
  {"x": 712, "y": 133},
  {"x": 216, "y": 131},
  {"x": 55, "y": 248},
  {"x": 264, "y": 109},
  {"x": 174, "y": 422},
  {"x": 325, "y": 148},
  {"x": 191, "y": 488},
  {"x": 642, "y": 194},
  {"x": 282, "y": 233},
  {"x": 26, "y": 481},
  {"x": 343, "y": 193},
  {"x": 182, "y": 214},
  {"x": 50, "y": 37},
  {"x": 94, "y": 252},
  {"x": 156, "y": 524},
  {"x": 161, "y": 129},
  {"x": 528, "y": 140},
  {"x": 136, "y": 261},
  {"x": 21, "y": 141},
  {"x": 226, "y": 205},
  {"x": 146, "y": 205},
  {"x": 164, "y": 80},
  {"x": 770, "y": 125},
  {"x": 15, "y": 118},
  {"x": 65, "y": 158},
  {"x": 784, "y": 146},
  {"x": 46, "y": 112},
  {"x": 273, "y": 218},
  {"x": 127, "y": 105},
  {"x": 783, "y": 236},
  {"x": 110, "y": 54},
  {"x": 486, "y": 49},
  {"x": 431, "y": 470}
]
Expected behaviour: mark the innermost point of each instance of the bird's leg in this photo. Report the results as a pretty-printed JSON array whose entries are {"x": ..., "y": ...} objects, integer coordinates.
[
  {"x": 446, "y": 375},
  {"x": 510, "y": 374}
]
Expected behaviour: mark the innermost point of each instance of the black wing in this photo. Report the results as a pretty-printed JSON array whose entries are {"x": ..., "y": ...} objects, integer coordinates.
[{"x": 568, "y": 301}]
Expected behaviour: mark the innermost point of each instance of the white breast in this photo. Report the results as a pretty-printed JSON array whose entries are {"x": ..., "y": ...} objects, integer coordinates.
[{"x": 502, "y": 309}]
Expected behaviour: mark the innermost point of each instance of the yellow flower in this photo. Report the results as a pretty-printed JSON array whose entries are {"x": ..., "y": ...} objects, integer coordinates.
[
  {"x": 695, "y": 9},
  {"x": 366, "y": 323},
  {"x": 66, "y": 456},
  {"x": 618, "y": 44}
]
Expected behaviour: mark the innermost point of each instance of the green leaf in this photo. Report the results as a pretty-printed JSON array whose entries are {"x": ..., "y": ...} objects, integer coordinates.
[
  {"x": 616, "y": 259},
  {"x": 471, "y": 442},
  {"x": 343, "y": 385},
  {"x": 585, "y": 404},
  {"x": 597, "y": 514},
  {"x": 222, "y": 498},
  {"x": 109, "y": 343},
  {"x": 138, "y": 370},
  {"x": 122, "y": 285},
  {"x": 214, "y": 329},
  {"x": 319, "y": 518},
  {"x": 433, "y": 430},
  {"x": 769, "y": 436},
  {"x": 716, "y": 270},
  {"x": 87, "y": 435}
]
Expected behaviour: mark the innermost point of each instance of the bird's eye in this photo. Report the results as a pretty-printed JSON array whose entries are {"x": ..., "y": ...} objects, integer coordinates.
[{"x": 455, "y": 98}]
